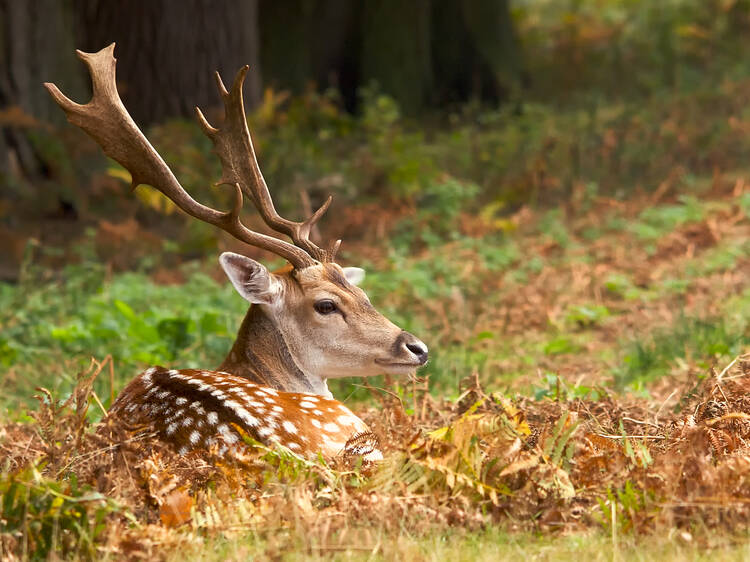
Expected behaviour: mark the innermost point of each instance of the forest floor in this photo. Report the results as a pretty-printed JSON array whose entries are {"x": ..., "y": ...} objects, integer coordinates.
[{"x": 588, "y": 396}]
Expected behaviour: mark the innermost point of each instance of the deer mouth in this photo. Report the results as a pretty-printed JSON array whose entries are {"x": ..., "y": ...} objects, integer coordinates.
[{"x": 398, "y": 365}]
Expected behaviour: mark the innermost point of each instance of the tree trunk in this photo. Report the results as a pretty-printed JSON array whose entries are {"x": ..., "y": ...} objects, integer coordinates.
[
  {"x": 168, "y": 51},
  {"x": 310, "y": 42},
  {"x": 396, "y": 50},
  {"x": 476, "y": 51},
  {"x": 491, "y": 27},
  {"x": 36, "y": 42}
]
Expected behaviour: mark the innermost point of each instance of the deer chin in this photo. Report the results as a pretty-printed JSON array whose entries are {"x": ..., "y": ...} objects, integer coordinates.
[{"x": 390, "y": 367}]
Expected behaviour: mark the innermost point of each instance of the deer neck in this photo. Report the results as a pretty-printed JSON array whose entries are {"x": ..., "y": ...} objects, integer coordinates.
[{"x": 261, "y": 355}]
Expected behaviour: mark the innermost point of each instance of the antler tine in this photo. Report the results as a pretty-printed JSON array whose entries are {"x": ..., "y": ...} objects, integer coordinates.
[
  {"x": 106, "y": 120},
  {"x": 234, "y": 146}
]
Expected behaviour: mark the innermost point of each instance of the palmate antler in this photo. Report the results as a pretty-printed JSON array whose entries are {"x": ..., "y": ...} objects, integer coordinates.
[{"x": 106, "y": 120}]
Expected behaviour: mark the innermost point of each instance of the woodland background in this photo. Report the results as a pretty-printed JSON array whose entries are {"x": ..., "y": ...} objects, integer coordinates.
[{"x": 552, "y": 194}]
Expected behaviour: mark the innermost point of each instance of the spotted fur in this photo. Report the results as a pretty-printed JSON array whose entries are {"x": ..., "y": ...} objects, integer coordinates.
[{"x": 194, "y": 409}]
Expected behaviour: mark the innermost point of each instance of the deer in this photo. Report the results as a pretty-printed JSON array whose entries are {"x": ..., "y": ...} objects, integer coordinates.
[{"x": 306, "y": 323}]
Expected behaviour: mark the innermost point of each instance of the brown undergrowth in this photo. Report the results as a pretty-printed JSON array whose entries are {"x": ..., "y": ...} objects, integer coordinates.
[{"x": 77, "y": 489}]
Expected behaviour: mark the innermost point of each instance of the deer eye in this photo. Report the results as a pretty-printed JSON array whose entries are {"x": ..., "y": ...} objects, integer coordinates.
[{"x": 325, "y": 306}]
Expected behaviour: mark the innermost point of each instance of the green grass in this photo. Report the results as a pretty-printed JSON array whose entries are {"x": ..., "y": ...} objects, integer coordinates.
[
  {"x": 702, "y": 340},
  {"x": 492, "y": 544},
  {"x": 49, "y": 330}
]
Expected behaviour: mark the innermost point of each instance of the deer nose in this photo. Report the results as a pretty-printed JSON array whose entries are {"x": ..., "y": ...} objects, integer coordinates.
[{"x": 414, "y": 347}]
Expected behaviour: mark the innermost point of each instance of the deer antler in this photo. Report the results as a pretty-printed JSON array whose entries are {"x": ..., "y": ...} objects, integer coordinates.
[
  {"x": 240, "y": 165},
  {"x": 106, "y": 120}
]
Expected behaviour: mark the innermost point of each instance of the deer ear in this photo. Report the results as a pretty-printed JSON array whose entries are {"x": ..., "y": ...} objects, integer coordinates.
[
  {"x": 355, "y": 275},
  {"x": 251, "y": 279}
]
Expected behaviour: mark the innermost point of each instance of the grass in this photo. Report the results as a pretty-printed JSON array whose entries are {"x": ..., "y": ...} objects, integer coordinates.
[
  {"x": 694, "y": 340},
  {"x": 490, "y": 545}
]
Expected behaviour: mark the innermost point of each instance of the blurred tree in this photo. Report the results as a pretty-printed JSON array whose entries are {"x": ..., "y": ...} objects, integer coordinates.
[
  {"x": 168, "y": 50},
  {"x": 476, "y": 51},
  {"x": 493, "y": 35},
  {"x": 396, "y": 50},
  {"x": 310, "y": 43},
  {"x": 36, "y": 42},
  {"x": 422, "y": 53}
]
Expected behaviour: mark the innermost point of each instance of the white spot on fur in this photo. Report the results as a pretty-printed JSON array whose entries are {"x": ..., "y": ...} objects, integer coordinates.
[
  {"x": 183, "y": 450},
  {"x": 331, "y": 427},
  {"x": 163, "y": 394},
  {"x": 289, "y": 427},
  {"x": 195, "y": 436},
  {"x": 308, "y": 405},
  {"x": 265, "y": 431},
  {"x": 316, "y": 423},
  {"x": 171, "y": 428},
  {"x": 228, "y": 435},
  {"x": 242, "y": 413},
  {"x": 347, "y": 420},
  {"x": 187, "y": 422},
  {"x": 180, "y": 401},
  {"x": 212, "y": 418},
  {"x": 292, "y": 445},
  {"x": 146, "y": 377},
  {"x": 317, "y": 412}
]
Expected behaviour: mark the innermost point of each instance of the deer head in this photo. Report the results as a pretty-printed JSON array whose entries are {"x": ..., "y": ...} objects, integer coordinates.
[{"x": 308, "y": 322}]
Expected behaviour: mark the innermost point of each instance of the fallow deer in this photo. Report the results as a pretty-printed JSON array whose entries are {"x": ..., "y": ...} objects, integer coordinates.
[{"x": 307, "y": 323}]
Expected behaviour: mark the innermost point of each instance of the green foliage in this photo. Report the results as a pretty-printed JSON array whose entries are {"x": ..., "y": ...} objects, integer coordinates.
[
  {"x": 655, "y": 222},
  {"x": 620, "y": 284},
  {"x": 560, "y": 344},
  {"x": 586, "y": 315},
  {"x": 557, "y": 389},
  {"x": 49, "y": 518},
  {"x": 725, "y": 256},
  {"x": 553, "y": 226},
  {"x": 744, "y": 202},
  {"x": 677, "y": 44},
  {"x": 439, "y": 205},
  {"x": 698, "y": 339},
  {"x": 136, "y": 321},
  {"x": 625, "y": 507}
]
